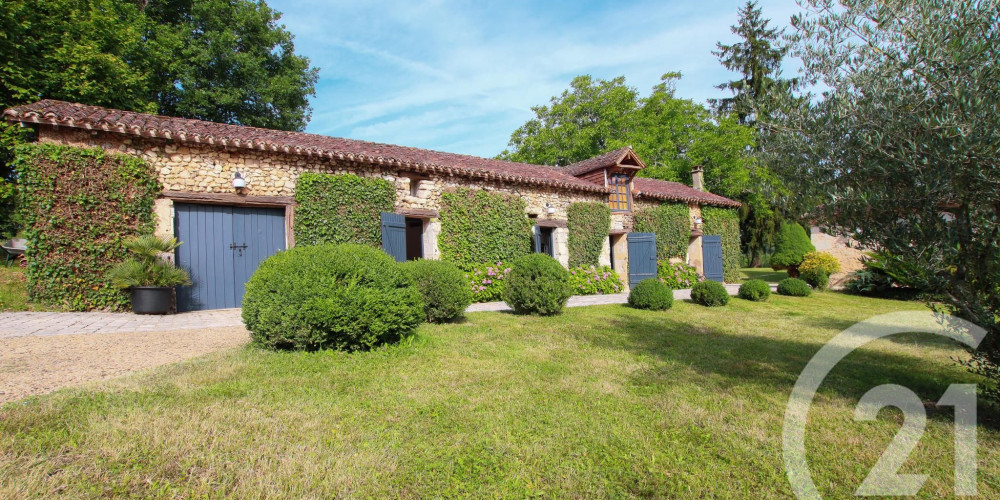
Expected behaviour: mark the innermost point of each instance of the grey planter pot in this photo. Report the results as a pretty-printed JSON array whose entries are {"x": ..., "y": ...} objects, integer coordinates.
[{"x": 152, "y": 299}]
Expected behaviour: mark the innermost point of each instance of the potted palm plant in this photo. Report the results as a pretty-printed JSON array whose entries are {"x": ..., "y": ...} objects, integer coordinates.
[{"x": 150, "y": 278}]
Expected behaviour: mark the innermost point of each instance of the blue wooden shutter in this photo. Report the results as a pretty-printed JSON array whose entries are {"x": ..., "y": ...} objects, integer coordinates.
[
  {"x": 711, "y": 252},
  {"x": 394, "y": 235},
  {"x": 538, "y": 238},
  {"x": 641, "y": 257}
]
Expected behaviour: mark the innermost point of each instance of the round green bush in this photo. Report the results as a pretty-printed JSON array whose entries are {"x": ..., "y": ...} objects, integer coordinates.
[
  {"x": 537, "y": 285},
  {"x": 443, "y": 286},
  {"x": 651, "y": 294},
  {"x": 345, "y": 297},
  {"x": 755, "y": 290},
  {"x": 816, "y": 278},
  {"x": 710, "y": 293},
  {"x": 794, "y": 287}
]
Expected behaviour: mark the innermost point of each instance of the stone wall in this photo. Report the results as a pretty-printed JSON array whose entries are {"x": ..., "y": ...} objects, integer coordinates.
[{"x": 206, "y": 169}]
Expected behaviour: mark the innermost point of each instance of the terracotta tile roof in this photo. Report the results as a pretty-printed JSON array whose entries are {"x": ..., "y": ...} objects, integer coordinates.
[
  {"x": 609, "y": 159},
  {"x": 298, "y": 143},
  {"x": 675, "y": 191}
]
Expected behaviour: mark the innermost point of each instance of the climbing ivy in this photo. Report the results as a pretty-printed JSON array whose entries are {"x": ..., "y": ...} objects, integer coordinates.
[
  {"x": 588, "y": 224},
  {"x": 478, "y": 226},
  {"x": 726, "y": 223},
  {"x": 341, "y": 208},
  {"x": 672, "y": 224},
  {"x": 78, "y": 205}
]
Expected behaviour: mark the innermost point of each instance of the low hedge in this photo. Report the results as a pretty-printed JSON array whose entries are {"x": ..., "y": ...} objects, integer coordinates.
[
  {"x": 651, "y": 294},
  {"x": 590, "y": 280},
  {"x": 710, "y": 293},
  {"x": 346, "y": 297},
  {"x": 755, "y": 290},
  {"x": 794, "y": 287},
  {"x": 537, "y": 285},
  {"x": 678, "y": 275},
  {"x": 487, "y": 281},
  {"x": 443, "y": 287},
  {"x": 816, "y": 278}
]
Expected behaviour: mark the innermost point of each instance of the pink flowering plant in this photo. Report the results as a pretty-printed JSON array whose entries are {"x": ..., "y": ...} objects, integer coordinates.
[
  {"x": 487, "y": 281},
  {"x": 590, "y": 280},
  {"x": 678, "y": 275}
]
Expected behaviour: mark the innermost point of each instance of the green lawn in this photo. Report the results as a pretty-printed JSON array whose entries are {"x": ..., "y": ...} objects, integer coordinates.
[
  {"x": 763, "y": 273},
  {"x": 597, "y": 402},
  {"x": 13, "y": 296}
]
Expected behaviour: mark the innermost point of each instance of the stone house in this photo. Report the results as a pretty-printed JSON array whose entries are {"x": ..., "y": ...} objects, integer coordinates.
[{"x": 216, "y": 177}]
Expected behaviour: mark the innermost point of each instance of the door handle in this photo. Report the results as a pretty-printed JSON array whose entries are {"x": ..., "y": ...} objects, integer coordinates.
[{"x": 238, "y": 248}]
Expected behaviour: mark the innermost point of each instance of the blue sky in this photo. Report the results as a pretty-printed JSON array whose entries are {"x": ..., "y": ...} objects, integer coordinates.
[{"x": 460, "y": 76}]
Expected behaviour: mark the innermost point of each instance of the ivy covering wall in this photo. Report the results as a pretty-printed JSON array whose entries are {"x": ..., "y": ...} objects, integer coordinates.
[
  {"x": 672, "y": 224},
  {"x": 588, "y": 224},
  {"x": 478, "y": 226},
  {"x": 341, "y": 208},
  {"x": 78, "y": 206},
  {"x": 725, "y": 222}
]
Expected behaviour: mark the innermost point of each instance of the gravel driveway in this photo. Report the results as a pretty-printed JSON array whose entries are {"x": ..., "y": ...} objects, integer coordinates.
[{"x": 34, "y": 364}]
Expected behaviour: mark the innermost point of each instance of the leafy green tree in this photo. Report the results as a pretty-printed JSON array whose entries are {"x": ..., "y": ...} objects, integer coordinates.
[
  {"x": 904, "y": 147},
  {"x": 226, "y": 61},
  {"x": 791, "y": 245},
  {"x": 669, "y": 133},
  {"x": 756, "y": 58}
]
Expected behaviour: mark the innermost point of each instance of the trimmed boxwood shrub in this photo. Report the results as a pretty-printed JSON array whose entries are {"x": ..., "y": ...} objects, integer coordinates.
[
  {"x": 537, "y": 285},
  {"x": 672, "y": 224},
  {"x": 816, "y": 278},
  {"x": 820, "y": 261},
  {"x": 791, "y": 245},
  {"x": 345, "y": 297},
  {"x": 725, "y": 222},
  {"x": 79, "y": 206},
  {"x": 710, "y": 293},
  {"x": 651, "y": 294},
  {"x": 341, "y": 208},
  {"x": 478, "y": 226},
  {"x": 794, "y": 287},
  {"x": 755, "y": 290},
  {"x": 443, "y": 287},
  {"x": 588, "y": 224}
]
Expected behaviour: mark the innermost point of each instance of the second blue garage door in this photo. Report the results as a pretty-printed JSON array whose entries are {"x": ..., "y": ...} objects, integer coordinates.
[{"x": 222, "y": 247}]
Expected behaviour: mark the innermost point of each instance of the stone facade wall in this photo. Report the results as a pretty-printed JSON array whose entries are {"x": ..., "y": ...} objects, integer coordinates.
[{"x": 206, "y": 168}]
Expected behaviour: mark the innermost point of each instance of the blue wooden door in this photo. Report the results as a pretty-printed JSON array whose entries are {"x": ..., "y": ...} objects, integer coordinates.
[
  {"x": 641, "y": 257},
  {"x": 394, "y": 235},
  {"x": 221, "y": 248},
  {"x": 711, "y": 252}
]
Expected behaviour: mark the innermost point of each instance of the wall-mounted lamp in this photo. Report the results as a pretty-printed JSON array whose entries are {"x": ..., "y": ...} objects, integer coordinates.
[
  {"x": 698, "y": 221},
  {"x": 550, "y": 209},
  {"x": 239, "y": 182}
]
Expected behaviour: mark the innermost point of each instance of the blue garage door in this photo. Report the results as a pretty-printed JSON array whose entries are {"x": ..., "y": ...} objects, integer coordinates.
[{"x": 222, "y": 247}]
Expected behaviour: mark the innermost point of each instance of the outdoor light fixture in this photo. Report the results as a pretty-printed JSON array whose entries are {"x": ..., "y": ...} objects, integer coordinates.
[
  {"x": 550, "y": 209},
  {"x": 239, "y": 182},
  {"x": 697, "y": 221}
]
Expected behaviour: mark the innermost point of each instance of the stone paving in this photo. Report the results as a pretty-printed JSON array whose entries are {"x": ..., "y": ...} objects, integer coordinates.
[{"x": 23, "y": 324}]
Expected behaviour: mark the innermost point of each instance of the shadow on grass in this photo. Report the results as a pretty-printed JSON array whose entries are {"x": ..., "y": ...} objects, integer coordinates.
[{"x": 726, "y": 360}]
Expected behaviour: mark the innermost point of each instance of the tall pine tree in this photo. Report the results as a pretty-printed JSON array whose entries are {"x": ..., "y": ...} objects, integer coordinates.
[{"x": 756, "y": 58}]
